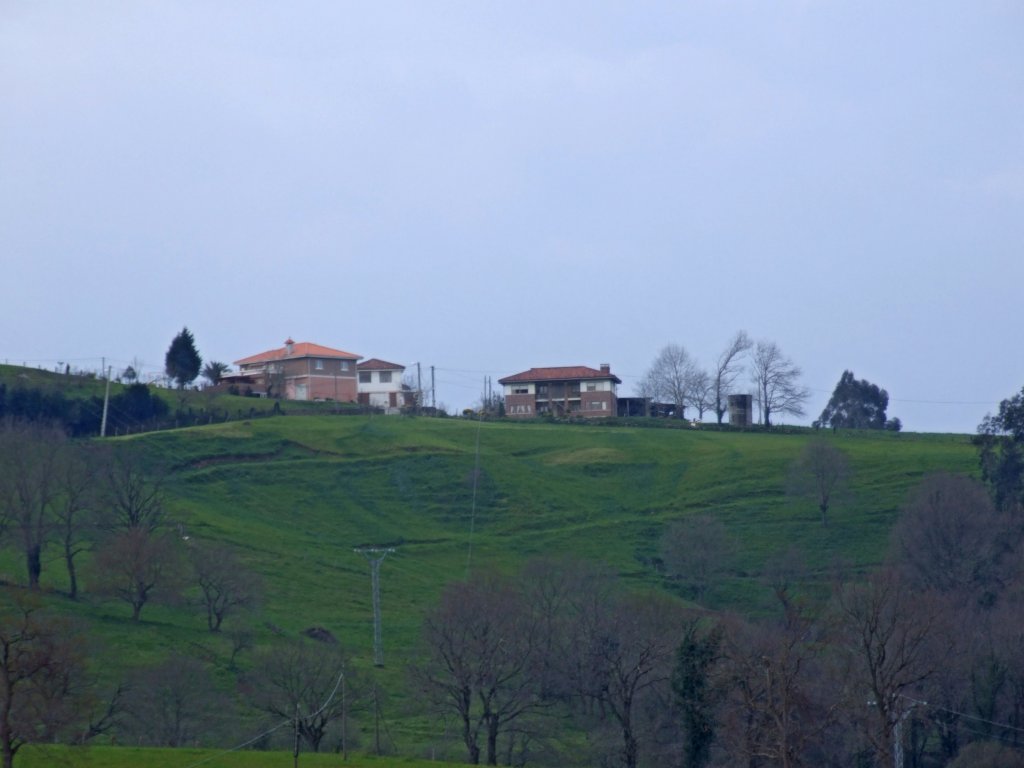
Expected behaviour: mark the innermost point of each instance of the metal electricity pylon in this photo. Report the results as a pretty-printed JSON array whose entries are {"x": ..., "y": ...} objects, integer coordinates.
[{"x": 375, "y": 556}]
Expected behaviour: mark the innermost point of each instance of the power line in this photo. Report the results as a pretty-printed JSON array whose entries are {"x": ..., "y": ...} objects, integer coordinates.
[
  {"x": 937, "y": 708},
  {"x": 941, "y": 402},
  {"x": 277, "y": 727}
]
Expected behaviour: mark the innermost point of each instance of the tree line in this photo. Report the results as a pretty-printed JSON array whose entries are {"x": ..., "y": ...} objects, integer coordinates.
[
  {"x": 136, "y": 408},
  {"x": 676, "y": 379}
]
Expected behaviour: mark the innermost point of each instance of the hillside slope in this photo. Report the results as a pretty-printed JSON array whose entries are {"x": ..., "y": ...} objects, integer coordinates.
[
  {"x": 299, "y": 494},
  {"x": 296, "y": 495}
]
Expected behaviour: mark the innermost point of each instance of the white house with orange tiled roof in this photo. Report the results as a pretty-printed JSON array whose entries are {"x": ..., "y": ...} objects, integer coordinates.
[
  {"x": 380, "y": 384},
  {"x": 575, "y": 390},
  {"x": 300, "y": 371}
]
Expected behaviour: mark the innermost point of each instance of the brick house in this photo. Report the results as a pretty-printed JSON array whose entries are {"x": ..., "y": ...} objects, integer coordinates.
[
  {"x": 565, "y": 391},
  {"x": 299, "y": 371},
  {"x": 380, "y": 385}
]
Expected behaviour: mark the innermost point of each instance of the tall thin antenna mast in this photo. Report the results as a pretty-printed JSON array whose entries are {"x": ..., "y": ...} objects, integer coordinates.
[{"x": 375, "y": 556}]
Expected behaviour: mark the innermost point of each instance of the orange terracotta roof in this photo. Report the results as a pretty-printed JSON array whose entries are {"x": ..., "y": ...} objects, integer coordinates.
[
  {"x": 376, "y": 364},
  {"x": 564, "y": 373},
  {"x": 299, "y": 349}
]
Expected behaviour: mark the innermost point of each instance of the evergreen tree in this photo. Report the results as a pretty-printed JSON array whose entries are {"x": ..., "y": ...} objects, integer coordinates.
[
  {"x": 183, "y": 362},
  {"x": 695, "y": 694},
  {"x": 138, "y": 404},
  {"x": 1001, "y": 442},
  {"x": 855, "y": 405}
]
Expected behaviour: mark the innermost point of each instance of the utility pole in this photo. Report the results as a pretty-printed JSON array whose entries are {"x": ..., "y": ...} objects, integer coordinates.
[
  {"x": 344, "y": 717},
  {"x": 433, "y": 392},
  {"x": 897, "y": 735},
  {"x": 106, "y": 401},
  {"x": 376, "y": 720},
  {"x": 375, "y": 556},
  {"x": 419, "y": 390},
  {"x": 898, "y": 715}
]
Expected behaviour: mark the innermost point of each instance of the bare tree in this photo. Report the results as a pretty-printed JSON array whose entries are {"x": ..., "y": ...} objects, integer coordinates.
[
  {"x": 106, "y": 716},
  {"x": 303, "y": 681},
  {"x": 225, "y": 585},
  {"x": 701, "y": 397},
  {"x": 606, "y": 653},
  {"x": 136, "y": 564},
  {"x": 821, "y": 472},
  {"x": 891, "y": 641},
  {"x": 727, "y": 369},
  {"x": 134, "y": 496},
  {"x": 671, "y": 377},
  {"x": 778, "y": 707},
  {"x": 623, "y": 651},
  {"x": 173, "y": 704},
  {"x": 30, "y": 455},
  {"x": 951, "y": 538},
  {"x": 647, "y": 390},
  {"x": 557, "y": 590},
  {"x": 39, "y": 667},
  {"x": 241, "y": 638},
  {"x": 481, "y": 660},
  {"x": 777, "y": 380},
  {"x": 695, "y": 551},
  {"x": 75, "y": 509},
  {"x": 1007, "y": 619}
]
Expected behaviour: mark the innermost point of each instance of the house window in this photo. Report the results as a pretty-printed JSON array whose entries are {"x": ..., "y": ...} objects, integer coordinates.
[
  {"x": 344, "y": 365},
  {"x": 385, "y": 377},
  {"x": 365, "y": 377},
  {"x": 598, "y": 405},
  {"x": 520, "y": 390},
  {"x": 542, "y": 389},
  {"x": 318, "y": 365},
  {"x": 591, "y": 387}
]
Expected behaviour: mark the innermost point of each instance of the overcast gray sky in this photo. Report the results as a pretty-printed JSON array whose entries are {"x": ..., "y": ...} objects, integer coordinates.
[{"x": 487, "y": 187}]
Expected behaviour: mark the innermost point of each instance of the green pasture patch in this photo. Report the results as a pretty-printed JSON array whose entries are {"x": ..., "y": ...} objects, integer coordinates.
[
  {"x": 33, "y": 756},
  {"x": 294, "y": 496}
]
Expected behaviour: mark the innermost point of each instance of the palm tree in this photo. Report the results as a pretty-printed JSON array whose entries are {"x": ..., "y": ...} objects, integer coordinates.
[{"x": 214, "y": 370}]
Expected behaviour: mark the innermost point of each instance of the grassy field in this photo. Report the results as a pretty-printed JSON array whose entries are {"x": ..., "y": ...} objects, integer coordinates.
[
  {"x": 296, "y": 495},
  {"x": 134, "y": 757}
]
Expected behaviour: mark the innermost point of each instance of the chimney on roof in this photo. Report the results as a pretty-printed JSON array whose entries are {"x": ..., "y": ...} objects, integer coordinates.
[
  {"x": 606, "y": 368},
  {"x": 289, "y": 346}
]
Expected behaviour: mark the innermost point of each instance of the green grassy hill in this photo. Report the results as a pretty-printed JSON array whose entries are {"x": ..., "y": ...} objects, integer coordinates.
[{"x": 295, "y": 495}]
